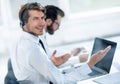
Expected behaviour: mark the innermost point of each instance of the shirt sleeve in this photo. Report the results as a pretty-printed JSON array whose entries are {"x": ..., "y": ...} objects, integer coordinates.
[{"x": 73, "y": 60}]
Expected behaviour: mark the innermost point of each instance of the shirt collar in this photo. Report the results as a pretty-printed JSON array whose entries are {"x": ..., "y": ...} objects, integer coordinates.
[{"x": 31, "y": 37}]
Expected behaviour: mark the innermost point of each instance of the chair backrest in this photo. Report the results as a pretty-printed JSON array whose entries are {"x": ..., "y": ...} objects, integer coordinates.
[
  {"x": 9, "y": 65},
  {"x": 10, "y": 77}
]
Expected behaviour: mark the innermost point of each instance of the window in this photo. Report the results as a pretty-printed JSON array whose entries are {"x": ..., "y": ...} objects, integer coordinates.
[
  {"x": 15, "y": 5},
  {"x": 0, "y": 17},
  {"x": 86, "y": 19},
  {"x": 87, "y": 5}
]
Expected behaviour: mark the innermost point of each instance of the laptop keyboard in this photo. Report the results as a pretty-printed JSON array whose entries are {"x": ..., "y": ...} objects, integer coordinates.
[{"x": 96, "y": 72}]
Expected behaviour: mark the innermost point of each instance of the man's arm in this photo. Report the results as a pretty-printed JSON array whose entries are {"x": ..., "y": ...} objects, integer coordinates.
[
  {"x": 70, "y": 59},
  {"x": 82, "y": 58}
]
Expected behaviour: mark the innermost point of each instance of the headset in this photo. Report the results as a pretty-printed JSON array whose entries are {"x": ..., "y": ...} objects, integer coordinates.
[{"x": 22, "y": 22}]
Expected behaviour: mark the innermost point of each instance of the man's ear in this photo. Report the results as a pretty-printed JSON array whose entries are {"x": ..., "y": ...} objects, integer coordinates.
[{"x": 48, "y": 22}]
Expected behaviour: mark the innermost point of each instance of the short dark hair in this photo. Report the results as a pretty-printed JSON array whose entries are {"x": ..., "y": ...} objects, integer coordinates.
[
  {"x": 24, "y": 14},
  {"x": 52, "y": 12}
]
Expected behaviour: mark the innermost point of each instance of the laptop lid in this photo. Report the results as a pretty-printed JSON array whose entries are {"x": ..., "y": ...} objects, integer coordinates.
[{"x": 106, "y": 62}]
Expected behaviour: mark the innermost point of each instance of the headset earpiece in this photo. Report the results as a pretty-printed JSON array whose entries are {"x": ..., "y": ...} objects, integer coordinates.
[
  {"x": 21, "y": 23},
  {"x": 21, "y": 15}
]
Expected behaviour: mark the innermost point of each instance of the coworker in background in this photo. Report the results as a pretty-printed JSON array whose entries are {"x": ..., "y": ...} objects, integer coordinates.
[
  {"x": 53, "y": 19},
  {"x": 29, "y": 59}
]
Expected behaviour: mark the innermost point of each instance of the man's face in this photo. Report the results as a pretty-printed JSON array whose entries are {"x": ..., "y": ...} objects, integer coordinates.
[
  {"x": 35, "y": 22},
  {"x": 54, "y": 25}
]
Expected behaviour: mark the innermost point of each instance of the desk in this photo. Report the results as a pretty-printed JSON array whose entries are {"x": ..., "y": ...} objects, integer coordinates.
[
  {"x": 116, "y": 60},
  {"x": 115, "y": 68},
  {"x": 88, "y": 81},
  {"x": 105, "y": 79}
]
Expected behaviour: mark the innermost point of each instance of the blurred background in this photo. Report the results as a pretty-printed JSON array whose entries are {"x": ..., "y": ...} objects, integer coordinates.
[{"x": 84, "y": 20}]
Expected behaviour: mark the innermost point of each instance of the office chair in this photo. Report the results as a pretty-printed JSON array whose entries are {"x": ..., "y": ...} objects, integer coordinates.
[{"x": 10, "y": 77}]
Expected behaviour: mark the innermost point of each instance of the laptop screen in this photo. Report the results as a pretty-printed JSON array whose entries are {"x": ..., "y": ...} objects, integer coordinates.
[{"x": 106, "y": 62}]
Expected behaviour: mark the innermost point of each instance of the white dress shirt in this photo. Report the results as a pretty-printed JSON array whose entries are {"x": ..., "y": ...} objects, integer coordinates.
[
  {"x": 30, "y": 62},
  {"x": 70, "y": 62}
]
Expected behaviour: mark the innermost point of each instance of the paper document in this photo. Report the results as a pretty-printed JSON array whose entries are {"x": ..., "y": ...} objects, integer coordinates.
[{"x": 113, "y": 78}]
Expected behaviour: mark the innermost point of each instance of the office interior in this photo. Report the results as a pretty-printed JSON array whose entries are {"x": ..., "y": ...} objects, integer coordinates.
[{"x": 84, "y": 20}]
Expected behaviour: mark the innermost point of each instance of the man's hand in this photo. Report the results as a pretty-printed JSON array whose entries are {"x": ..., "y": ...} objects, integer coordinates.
[
  {"x": 59, "y": 60},
  {"x": 83, "y": 57},
  {"x": 76, "y": 51},
  {"x": 98, "y": 56}
]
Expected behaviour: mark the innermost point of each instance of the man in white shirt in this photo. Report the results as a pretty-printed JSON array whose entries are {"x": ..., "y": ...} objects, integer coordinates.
[
  {"x": 53, "y": 19},
  {"x": 29, "y": 59}
]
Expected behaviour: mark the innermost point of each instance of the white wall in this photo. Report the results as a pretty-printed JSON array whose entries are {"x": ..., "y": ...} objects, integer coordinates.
[{"x": 86, "y": 28}]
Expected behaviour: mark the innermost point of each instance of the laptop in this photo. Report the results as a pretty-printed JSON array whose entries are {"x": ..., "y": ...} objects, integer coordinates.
[{"x": 102, "y": 67}]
